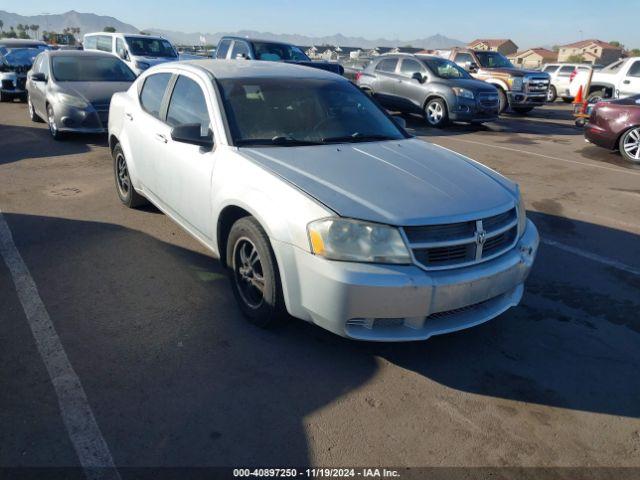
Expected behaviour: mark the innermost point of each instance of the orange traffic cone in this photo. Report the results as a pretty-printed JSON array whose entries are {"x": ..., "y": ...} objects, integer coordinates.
[{"x": 579, "y": 97}]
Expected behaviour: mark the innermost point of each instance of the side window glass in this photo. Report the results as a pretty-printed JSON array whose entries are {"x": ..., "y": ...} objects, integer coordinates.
[
  {"x": 188, "y": 105},
  {"x": 223, "y": 48},
  {"x": 387, "y": 65},
  {"x": 634, "y": 71},
  {"x": 120, "y": 48},
  {"x": 463, "y": 58},
  {"x": 37, "y": 65},
  {"x": 239, "y": 48},
  {"x": 153, "y": 92},
  {"x": 104, "y": 43},
  {"x": 91, "y": 43},
  {"x": 409, "y": 67}
]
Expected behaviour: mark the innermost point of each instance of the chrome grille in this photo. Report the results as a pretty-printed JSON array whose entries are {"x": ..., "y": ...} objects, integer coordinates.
[
  {"x": 488, "y": 100},
  {"x": 537, "y": 84},
  {"x": 437, "y": 247}
]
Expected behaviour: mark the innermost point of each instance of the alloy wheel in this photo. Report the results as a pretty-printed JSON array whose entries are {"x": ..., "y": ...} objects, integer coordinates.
[
  {"x": 248, "y": 273},
  {"x": 435, "y": 113},
  {"x": 631, "y": 144},
  {"x": 123, "y": 180},
  {"x": 30, "y": 107},
  {"x": 51, "y": 119}
]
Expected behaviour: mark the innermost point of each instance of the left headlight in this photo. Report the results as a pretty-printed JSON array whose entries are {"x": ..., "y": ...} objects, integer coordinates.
[
  {"x": 463, "y": 92},
  {"x": 357, "y": 241},
  {"x": 71, "y": 100},
  {"x": 522, "y": 216}
]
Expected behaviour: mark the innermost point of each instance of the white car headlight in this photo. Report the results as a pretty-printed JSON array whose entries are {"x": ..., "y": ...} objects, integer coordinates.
[
  {"x": 516, "y": 84},
  {"x": 522, "y": 216},
  {"x": 463, "y": 92},
  {"x": 71, "y": 100},
  {"x": 357, "y": 241}
]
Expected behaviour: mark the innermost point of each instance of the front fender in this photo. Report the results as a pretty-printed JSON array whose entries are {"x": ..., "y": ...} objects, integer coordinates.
[{"x": 499, "y": 83}]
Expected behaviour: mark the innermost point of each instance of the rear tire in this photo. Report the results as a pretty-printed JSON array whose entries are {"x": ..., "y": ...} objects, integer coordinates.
[
  {"x": 567, "y": 100},
  {"x": 552, "y": 94},
  {"x": 124, "y": 188},
  {"x": 4, "y": 97},
  {"x": 436, "y": 113},
  {"x": 254, "y": 275},
  {"x": 630, "y": 145},
  {"x": 596, "y": 96}
]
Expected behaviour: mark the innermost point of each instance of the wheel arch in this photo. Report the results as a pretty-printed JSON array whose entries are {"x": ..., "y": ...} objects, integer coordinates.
[
  {"x": 616, "y": 145},
  {"x": 433, "y": 96},
  {"x": 608, "y": 88}
]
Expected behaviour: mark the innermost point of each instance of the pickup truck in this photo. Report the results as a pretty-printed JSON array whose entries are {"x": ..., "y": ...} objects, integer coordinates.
[
  {"x": 621, "y": 79},
  {"x": 521, "y": 90},
  {"x": 238, "y": 48}
]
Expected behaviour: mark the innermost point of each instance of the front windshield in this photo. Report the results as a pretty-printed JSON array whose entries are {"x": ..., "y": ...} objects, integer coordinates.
[
  {"x": 289, "y": 111},
  {"x": 444, "y": 68},
  {"x": 493, "y": 60},
  {"x": 90, "y": 69},
  {"x": 276, "y": 52},
  {"x": 150, "y": 47},
  {"x": 20, "y": 56}
]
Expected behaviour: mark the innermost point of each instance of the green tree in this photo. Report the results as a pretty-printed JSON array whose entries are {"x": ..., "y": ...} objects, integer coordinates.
[
  {"x": 11, "y": 33},
  {"x": 615, "y": 43},
  {"x": 635, "y": 52},
  {"x": 575, "y": 59},
  {"x": 1, "y": 25},
  {"x": 109, "y": 29},
  {"x": 556, "y": 48}
]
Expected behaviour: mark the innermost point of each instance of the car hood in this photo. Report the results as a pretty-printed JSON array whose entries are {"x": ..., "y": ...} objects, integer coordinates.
[
  {"x": 470, "y": 84},
  {"x": 515, "y": 72},
  {"x": 405, "y": 182},
  {"x": 152, "y": 61},
  {"x": 94, "y": 92}
]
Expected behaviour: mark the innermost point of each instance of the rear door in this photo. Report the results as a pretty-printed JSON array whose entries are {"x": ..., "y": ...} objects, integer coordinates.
[
  {"x": 185, "y": 171},
  {"x": 630, "y": 84},
  {"x": 410, "y": 91},
  {"x": 384, "y": 85},
  {"x": 146, "y": 131}
]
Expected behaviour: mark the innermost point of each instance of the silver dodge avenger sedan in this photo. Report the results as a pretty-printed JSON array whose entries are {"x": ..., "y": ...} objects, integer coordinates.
[{"x": 318, "y": 202}]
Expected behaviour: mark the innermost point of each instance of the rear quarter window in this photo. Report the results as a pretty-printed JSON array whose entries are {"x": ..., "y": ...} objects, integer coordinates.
[
  {"x": 223, "y": 48},
  {"x": 91, "y": 43}
]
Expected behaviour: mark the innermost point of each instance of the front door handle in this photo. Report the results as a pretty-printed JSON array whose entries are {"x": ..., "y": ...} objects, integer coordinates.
[
  {"x": 161, "y": 138},
  {"x": 129, "y": 116},
  {"x": 627, "y": 82}
]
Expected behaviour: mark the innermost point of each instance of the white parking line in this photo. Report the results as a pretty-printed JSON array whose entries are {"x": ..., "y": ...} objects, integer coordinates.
[
  {"x": 526, "y": 152},
  {"x": 592, "y": 256},
  {"x": 83, "y": 430}
]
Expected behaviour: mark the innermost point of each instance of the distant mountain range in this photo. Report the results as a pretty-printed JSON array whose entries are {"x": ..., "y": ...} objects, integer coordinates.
[{"x": 89, "y": 22}]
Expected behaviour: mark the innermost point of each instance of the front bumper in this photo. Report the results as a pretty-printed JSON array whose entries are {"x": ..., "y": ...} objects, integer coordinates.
[
  {"x": 524, "y": 99},
  {"x": 474, "y": 111},
  {"x": 12, "y": 83},
  {"x": 403, "y": 303},
  {"x": 78, "y": 120}
]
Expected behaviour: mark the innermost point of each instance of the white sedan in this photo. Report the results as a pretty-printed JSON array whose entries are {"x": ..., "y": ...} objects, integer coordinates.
[{"x": 318, "y": 202}]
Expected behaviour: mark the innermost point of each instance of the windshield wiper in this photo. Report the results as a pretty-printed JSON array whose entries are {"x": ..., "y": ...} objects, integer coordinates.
[
  {"x": 357, "y": 137},
  {"x": 278, "y": 140}
]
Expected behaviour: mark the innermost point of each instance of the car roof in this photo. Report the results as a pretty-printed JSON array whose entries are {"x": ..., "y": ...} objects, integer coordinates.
[
  {"x": 231, "y": 37},
  {"x": 222, "y": 69},
  {"x": 123, "y": 34},
  {"x": 16, "y": 42},
  {"x": 79, "y": 53}
]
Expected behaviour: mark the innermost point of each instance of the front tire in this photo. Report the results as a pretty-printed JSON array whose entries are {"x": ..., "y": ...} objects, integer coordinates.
[
  {"x": 552, "y": 94},
  {"x": 436, "y": 113},
  {"x": 254, "y": 273},
  {"x": 53, "y": 126},
  {"x": 503, "y": 101},
  {"x": 630, "y": 145},
  {"x": 124, "y": 188}
]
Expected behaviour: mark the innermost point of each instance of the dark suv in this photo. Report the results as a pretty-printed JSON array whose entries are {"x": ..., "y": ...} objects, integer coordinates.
[
  {"x": 237, "y": 48},
  {"x": 432, "y": 86}
]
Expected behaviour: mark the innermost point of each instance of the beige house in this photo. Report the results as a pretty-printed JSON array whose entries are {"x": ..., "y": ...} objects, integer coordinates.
[
  {"x": 533, "y": 58},
  {"x": 592, "y": 51},
  {"x": 503, "y": 45}
]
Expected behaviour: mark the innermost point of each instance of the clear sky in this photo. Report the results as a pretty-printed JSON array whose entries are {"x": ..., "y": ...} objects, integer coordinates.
[{"x": 528, "y": 22}]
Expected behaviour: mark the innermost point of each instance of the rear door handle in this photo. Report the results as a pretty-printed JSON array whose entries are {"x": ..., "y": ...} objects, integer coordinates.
[
  {"x": 161, "y": 138},
  {"x": 129, "y": 116}
]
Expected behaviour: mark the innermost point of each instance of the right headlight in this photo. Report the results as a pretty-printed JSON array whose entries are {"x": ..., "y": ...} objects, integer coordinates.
[
  {"x": 357, "y": 241},
  {"x": 71, "y": 100},
  {"x": 516, "y": 84},
  {"x": 522, "y": 216}
]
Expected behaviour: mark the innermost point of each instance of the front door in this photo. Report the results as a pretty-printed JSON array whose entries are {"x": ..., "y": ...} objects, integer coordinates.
[
  {"x": 185, "y": 171},
  {"x": 630, "y": 84},
  {"x": 385, "y": 84},
  {"x": 410, "y": 91}
]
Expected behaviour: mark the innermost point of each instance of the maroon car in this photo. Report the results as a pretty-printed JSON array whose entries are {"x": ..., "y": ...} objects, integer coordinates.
[{"x": 616, "y": 125}]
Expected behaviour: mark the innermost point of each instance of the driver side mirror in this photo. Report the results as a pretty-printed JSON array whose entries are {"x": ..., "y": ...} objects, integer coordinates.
[
  {"x": 400, "y": 121},
  {"x": 241, "y": 56},
  {"x": 471, "y": 67},
  {"x": 123, "y": 54},
  {"x": 191, "y": 133},
  {"x": 38, "y": 77},
  {"x": 418, "y": 76}
]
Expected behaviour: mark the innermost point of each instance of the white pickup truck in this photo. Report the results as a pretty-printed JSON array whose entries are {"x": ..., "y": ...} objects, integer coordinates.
[{"x": 619, "y": 80}]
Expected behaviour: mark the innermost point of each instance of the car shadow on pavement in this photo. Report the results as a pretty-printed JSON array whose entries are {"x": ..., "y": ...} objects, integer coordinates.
[
  {"x": 20, "y": 143},
  {"x": 176, "y": 376}
]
